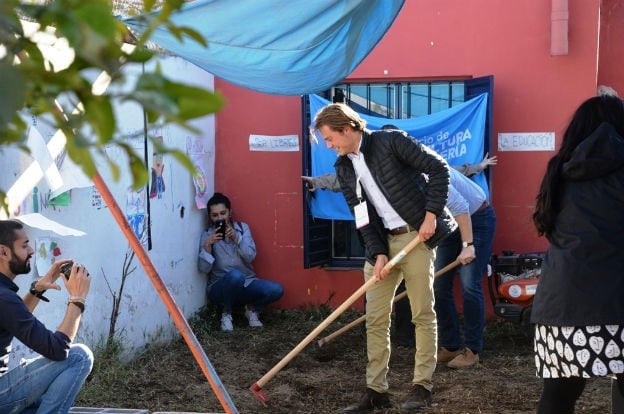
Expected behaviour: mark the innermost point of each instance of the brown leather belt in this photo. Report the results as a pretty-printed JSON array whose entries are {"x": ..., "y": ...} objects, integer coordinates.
[
  {"x": 484, "y": 205},
  {"x": 402, "y": 230}
]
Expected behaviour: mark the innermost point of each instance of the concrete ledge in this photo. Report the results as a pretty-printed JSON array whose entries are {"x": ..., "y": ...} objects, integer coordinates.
[{"x": 94, "y": 410}]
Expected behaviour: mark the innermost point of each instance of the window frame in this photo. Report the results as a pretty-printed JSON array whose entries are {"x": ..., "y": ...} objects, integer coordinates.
[{"x": 319, "y": 233}]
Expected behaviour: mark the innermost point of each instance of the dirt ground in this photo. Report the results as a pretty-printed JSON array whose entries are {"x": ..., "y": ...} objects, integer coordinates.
[{"x": 319, "y": 379}]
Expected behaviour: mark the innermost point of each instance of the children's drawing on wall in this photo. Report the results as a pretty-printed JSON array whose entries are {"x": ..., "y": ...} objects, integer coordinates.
[
  {"x": 43, "y": 199},
  {"x": 200, "y": 154},
  {"x": 157, "y": 187},
  {"x": 46, "y": 252},
  {"x": 61, "y": 200},
  {"x": 35, "y": 199},
  {"x": 96, "y": 199},
  {"x": 135, "y": 211},
  {"x": 199, "y": 180}
]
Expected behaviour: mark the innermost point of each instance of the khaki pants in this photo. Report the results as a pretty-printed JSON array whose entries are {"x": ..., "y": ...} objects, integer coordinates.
[{"x": 417, "y": 270}]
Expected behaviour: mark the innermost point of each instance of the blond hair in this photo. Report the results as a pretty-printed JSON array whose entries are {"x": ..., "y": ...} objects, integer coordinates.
[{"x": 337, "y": 116}]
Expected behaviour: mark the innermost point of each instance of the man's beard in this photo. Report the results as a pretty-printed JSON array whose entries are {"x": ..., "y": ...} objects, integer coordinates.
[{"x": 17, "y": 266}]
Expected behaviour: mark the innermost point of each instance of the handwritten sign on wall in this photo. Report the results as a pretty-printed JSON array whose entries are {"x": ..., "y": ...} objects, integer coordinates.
[
  {"x": 526, "y": 141},
  {"x": 277, "y": 143}
]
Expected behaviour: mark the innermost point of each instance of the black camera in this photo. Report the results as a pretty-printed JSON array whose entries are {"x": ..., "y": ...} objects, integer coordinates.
[
  {"x": 66, "y": 269},
  {"x": 220, "y": 228}
]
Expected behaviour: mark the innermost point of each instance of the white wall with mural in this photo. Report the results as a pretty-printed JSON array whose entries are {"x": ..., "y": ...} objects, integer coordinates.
[{"x": 173, "y": 203}]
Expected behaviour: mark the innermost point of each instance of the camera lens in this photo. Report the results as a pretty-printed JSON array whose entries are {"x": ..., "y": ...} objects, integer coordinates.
[{"x": 66, "y": 269}]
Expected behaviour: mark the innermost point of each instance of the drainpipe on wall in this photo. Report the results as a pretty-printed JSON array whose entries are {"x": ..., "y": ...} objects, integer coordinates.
[{"x": 559, "y": 27}]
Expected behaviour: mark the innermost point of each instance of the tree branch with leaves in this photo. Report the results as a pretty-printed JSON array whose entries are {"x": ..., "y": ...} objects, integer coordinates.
[{"x": 31, "y": 83}]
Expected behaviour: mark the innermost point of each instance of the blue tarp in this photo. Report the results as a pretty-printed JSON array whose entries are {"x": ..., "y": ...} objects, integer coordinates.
[
  {"x": 284, "y": 47},
  {"x": 457, "y": 134}
]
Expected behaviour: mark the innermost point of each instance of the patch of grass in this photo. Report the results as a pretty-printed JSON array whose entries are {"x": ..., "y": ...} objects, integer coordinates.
[
  {"x": 205, "y": 322},
  {"x": 108, "y": 370},
  {"x": 317, "y": 379}
]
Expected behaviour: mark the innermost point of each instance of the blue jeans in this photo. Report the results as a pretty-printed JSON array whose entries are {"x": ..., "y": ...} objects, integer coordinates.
[
  {"x": 230, "y": 291},
  {"x": 403, "y": 326},
  {"x": 471, "y": 277},
  {"x": 41, "y": 385}
]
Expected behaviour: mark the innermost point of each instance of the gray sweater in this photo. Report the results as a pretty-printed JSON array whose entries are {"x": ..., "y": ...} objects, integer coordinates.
[{"x": 226, "y": 255}]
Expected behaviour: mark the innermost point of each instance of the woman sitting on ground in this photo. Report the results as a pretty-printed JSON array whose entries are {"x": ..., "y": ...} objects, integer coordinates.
[{"x": 225, "y": 255}]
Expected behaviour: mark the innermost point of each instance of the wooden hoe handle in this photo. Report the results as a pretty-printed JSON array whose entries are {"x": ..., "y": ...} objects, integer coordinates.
[
  {"x": 362, "y": 318},
  {"x": 257, "y": 387}
]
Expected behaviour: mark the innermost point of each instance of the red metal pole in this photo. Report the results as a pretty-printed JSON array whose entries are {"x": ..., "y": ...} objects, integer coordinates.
[{"x": 166, "y": 297}]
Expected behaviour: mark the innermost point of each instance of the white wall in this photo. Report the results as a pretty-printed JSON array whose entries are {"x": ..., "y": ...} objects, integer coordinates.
[{"x": 176, "y": 225}]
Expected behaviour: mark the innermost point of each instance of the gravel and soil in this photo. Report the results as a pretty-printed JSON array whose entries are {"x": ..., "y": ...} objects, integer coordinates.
[{"x": 319, "y": 379}]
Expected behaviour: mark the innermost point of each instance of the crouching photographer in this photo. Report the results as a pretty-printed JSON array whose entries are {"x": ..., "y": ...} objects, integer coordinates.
[{"x": 50, "y": 382}]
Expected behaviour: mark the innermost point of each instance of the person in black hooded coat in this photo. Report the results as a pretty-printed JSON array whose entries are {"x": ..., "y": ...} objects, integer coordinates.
[{"x": 578, "y": 307}]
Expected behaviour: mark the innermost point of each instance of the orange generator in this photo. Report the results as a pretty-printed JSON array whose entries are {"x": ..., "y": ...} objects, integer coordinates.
[{"x": 512, "y": 284}]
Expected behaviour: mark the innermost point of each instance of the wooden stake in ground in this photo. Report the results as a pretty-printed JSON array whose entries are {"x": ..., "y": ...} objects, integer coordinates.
[{"x": 256, "y": 388}]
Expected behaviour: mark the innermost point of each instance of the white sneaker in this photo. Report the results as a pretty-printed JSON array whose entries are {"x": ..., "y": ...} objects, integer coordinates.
[
  {"x": 226, "y": 322},
  {"x": 252, "y": 316}
]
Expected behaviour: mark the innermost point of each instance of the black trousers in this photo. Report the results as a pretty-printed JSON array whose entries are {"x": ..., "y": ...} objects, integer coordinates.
[{"x": 560, "y": 395}]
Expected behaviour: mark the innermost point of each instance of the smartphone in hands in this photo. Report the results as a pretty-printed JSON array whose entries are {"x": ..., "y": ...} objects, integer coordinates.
[{"x": 220, "y": 228}]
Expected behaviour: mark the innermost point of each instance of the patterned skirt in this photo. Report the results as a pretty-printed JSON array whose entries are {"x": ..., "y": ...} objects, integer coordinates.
[{"x": 578, "y": 351}]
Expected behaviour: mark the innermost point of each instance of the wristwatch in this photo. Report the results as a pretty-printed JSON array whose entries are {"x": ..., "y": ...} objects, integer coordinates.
[
  {"x": 466, "y": 244},
  {"x": 37, "y": 293}
]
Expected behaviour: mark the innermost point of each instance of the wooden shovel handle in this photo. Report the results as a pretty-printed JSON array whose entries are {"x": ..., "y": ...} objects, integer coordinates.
[{"x": 344, "y": 306}]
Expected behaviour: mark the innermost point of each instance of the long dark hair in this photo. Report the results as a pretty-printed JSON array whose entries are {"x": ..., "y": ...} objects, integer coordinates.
[
  {"x": 218, "y": 198},
  {"x": 589, "y": 115}
]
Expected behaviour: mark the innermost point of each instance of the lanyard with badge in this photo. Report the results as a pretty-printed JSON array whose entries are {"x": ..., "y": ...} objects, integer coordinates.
[{"x": 360, "y": 210}]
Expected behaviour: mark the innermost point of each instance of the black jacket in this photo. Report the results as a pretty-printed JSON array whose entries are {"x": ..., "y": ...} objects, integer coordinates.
[
  {"x": 18, "y": 322},
  {"x": 398, "y": 164},
  {"x": 582, "y": 278}
]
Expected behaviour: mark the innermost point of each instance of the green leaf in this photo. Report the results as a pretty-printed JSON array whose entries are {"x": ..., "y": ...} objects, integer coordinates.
[
  {"x": 13, "y": 91},
  {"x": 149, "y": 4},
  {"x": 195, "y": 35},
  {"x": 97, "y": 15},
  {"x": 140, "y": 55},
  {"x": 183, "y": 159},
  {"x": 139, "y": 172},
  {"x": 99, "y": 112},
  {"x": 179, "y": 101},
  {"x": 114, "y": 169},
  {"x": 4, "y": 203},
  {"x": 9, "y": 22},
  {"x": 81, "y": 156},
  {"x": 14, "y": 131},
  {"x": 176, "y": 32},
  {"x": 195, "y": 102},
  {"x": 155, "y": 101}
]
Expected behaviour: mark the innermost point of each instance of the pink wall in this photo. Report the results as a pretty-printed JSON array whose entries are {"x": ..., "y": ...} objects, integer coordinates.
[
  {"x": 533, "y": 92},
  {"x": 611, "y": 45},
  {"x": 265, "y": 190}
]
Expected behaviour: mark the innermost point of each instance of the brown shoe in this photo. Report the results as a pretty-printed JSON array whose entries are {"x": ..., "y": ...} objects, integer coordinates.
[
  {"x": 419, "y": 397},
  {"x": 371, "y": 401},
  {"x": 465, "y": 360},
  {"x": 444, "y": 355}
]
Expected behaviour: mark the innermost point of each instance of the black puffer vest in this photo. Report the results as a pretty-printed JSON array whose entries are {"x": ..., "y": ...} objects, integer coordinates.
[{"x": 413, "y": 178}]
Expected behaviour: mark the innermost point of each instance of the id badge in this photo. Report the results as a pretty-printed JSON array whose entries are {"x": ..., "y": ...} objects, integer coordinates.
[{"x": 361, "y": 215}]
